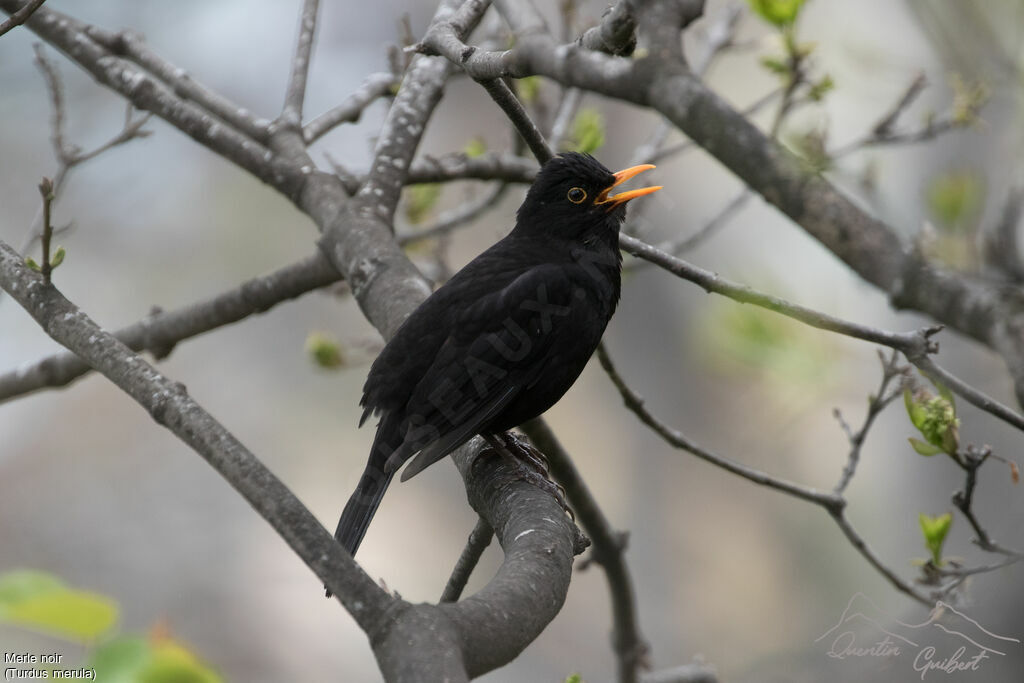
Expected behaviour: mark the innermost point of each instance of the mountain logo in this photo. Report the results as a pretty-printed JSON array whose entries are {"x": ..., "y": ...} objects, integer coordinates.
[{"x": 948, "y": 641}]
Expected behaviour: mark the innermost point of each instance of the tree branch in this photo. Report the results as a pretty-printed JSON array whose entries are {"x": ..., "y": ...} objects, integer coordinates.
[
  {"x": 375, "y": 86},
  {"x": 162, "y": 330},
  {"x": 661, "y": 80},
  {"x": 295, "y": 96},
  {"x": 21, "y": 16},
  {"x": 477, "y": 543},
  {"x": 171, "y": 407}
]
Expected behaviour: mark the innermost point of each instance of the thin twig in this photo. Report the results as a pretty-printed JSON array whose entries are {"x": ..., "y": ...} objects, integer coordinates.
[
  {"x": 375, "y": 86},
  {"x": 694, "y": 239},
  {"x": 134, "y": 48},
  {"x": 564, "y": 118},
  {"x": 68, "y": 155},
  {"x": 877, "y": 403},
  {"x": 21, "y": 16},
  {"x": 462, "y": 214},
  {"x": 513, "y": 108},
  {"x": 834, "y": 503},
  {"x": 916, "y": 346},
  {"x": 963, "y": 499},
  {"x": 477, "y": 543},
  {"x": 46, "y": 190},
  {"x": 170, "y": 406},
  {"x": 295, "y": 96},
  {"x": 857, "y": 541},
  {"x": 635, "y": 403},
  {"x": 159, "y": 332}
]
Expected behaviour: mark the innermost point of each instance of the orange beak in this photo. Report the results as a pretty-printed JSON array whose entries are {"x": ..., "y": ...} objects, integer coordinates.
[{"x": 623, "y": 197}]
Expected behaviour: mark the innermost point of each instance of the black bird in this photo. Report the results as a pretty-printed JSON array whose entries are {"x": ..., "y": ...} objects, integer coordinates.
[{"x": 505, "y": 337}]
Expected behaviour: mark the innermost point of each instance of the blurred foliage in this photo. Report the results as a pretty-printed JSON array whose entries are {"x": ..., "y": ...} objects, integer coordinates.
[
  {"x": 574, "y": 678},
  {"x": 968, "y": 99},
  {"x": 954, "y": 201},
  {"x": 935, "y": 417},
  {"x": 42, "y": 602},
  {"x": 741, "y": 338},
  {"x": 587, "y": 133},
  {"x": 529, "y": 88},
  {"x": 935, "y": 530},
  {"x": 812, "y": 146},
  {"x": 420, "y": 199},
  {"x": 475, "y": 147},
  {"x": 325, "y": 350},
  {"x": 156, "y": 659},
  {"x": 820, "y": 88}
]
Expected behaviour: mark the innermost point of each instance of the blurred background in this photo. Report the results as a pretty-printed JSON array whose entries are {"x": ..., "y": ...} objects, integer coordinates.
[{"x": 92, "y": 491}]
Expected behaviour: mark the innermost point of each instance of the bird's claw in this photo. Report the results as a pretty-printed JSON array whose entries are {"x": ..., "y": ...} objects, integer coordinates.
[{"x": 530, "y": 465}]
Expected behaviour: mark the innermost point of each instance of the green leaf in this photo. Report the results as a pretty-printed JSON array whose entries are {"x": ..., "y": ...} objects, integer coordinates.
[
  {"x": 40, "y": 601},
  {"x": 154, "y": 660},
  {"x": 325, "y": 350},
  {"x": 915, "y": 408},
  {"x": 587, "y": 132},
  {"x": 173, "y": 663},
  {"x": 58, "y": 258},
  {"x": 935, "y": 530},
  {"x": 475, "y": 147},
  {"x": 924, "y": 448},
  {"x": 574, "y": 678},
  {"x": 777, "y": 12},
  {"x": 419, "y": 200},
  {"x": 777, "y": 66},
  {"x": 121, "y": 659},
  {"x": 31, "y": 263}
]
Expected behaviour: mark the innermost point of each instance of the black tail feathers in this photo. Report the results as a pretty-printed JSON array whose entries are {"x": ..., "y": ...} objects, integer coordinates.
[
  {"x": 361, "y": 507},
  {"x": 359, "y": 510}
]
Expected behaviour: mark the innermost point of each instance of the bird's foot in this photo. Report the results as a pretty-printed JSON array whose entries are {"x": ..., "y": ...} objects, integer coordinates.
[{"x": 530, "y": 464}]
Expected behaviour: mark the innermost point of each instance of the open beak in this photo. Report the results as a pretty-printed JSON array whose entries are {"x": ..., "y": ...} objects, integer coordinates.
[{"x": 622, "y": 176}]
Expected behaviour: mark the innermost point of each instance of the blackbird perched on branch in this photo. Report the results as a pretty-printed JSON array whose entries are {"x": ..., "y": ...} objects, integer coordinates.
[{"x": 504, "y": 338}]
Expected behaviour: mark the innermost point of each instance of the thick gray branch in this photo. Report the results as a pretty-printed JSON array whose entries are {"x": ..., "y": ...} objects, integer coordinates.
[{"x": 172, "y": 407}]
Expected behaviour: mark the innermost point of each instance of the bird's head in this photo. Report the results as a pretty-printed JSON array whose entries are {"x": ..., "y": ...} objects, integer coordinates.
[{"x": 572, "y": 197}]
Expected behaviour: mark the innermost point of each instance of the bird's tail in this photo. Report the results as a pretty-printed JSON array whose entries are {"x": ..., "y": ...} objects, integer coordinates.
[{"x": 361, "y": 507}]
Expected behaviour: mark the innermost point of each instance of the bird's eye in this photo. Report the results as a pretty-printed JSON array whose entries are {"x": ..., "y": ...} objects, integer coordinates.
[{"x": 576, "y": 195}]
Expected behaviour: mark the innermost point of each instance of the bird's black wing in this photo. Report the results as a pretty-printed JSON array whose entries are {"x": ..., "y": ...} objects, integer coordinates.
[{"x": 495, "y": 350}]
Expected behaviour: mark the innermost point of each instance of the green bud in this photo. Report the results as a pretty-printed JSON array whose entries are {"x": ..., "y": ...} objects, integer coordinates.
[
  {"x": 935, "y": 417},
  {"x": 31, "y": 263},
  {"x": 935, "y": 530},
  {"x": 475, "y": 147},
  {"x": 58, "y": 258},
  {"x": 779, "y": 13},
  {"x": 324, "y": 350}
]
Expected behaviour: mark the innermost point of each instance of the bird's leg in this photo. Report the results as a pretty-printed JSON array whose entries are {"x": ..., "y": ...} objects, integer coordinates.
[
  {"x": 526, "y": 452},
  {"x": 529, "y": 463}
]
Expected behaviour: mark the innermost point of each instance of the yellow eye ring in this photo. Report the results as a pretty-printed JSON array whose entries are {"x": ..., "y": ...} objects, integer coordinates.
[{"x": 576, "y": 195}]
